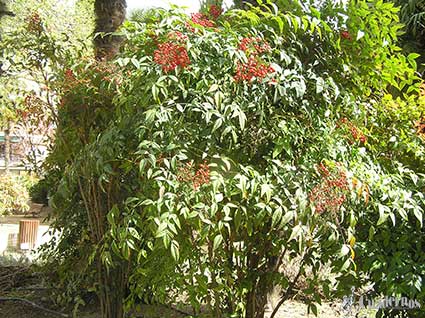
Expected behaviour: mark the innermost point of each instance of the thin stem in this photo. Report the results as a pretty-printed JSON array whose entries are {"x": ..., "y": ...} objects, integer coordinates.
[{"x": 289, "y": 289}]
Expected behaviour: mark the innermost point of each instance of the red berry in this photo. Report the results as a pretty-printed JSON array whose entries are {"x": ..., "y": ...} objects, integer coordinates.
[
  {"x": 215, "y": 11},
  {"x": 170, "y": 55},
  {"x": 346, "y": 35}
]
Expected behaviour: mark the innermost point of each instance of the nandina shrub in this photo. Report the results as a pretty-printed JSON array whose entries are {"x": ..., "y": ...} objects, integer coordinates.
[
  {"x": 203, "y": 164},
  {"x": 285, "y": 167}
]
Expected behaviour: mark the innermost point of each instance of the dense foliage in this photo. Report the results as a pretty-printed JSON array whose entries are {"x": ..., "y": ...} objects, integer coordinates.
[
  {"x": 14, "y": 197},
  {"x": 39, "y": 192},
  {"x": 412, "y": 15},
  {"x": 30, "y": 48},
  {"x": 218, "y": 146}
]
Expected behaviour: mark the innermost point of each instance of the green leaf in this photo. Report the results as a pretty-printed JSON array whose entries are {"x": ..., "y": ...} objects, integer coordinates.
[
  {"x": 286, "y": 218},
  {"x": 125, "y": 251},
  {"x": 383, "y": 215},
  {"x": 345, "y": 249},
  {"x": 217, "y": 241},
  {"x": 111, "y": 215},
  {"x": 135, "y": 62},
  {"x": 162, "y": 230},
  {"x": 267, "y": 189},
  {"x": 277, "y": 149},
  {"x": 175, "y": 250},
  {"x": 213, "y": 88},
  {"x": 413, "y": 56},
  {"x": 418, "y": 212},
  {"x": 313, "y": 308},
  {"x": 346, "y": 265},
  {"x": 371, "y": 232},
  {"x": 277, "y": 216},
  {"x": 360, "y": 34},
  {"x": 296, "y": 232},
  {"x": 155, "y": 92},
  {"x": 150, "y": 115},
  {"x": 133, "y": 232},
  {"x": 218, "y": 98},
  {"x": 320, "y": 85},
  {"x": 242, "y": 120},
  {"x": 217, "y": 124}
]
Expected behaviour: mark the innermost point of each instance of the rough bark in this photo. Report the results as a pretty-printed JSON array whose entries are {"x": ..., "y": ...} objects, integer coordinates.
[
  {"x": 256, "y": 299},
  {"x": 110, "y": 14}
]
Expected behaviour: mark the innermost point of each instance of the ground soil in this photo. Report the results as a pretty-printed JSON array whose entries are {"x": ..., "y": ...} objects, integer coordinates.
[
  {"x": 26, "y": 285},
  {"x": 18, "y": 281},
  {"x": 292, "y": 309}
]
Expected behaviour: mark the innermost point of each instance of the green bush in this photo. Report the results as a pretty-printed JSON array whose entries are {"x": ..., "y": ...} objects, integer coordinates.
[
  {"x": 14, "y": 195},
  {"x": 39, "y": 192},
  {"x": 211, "y": 151}
]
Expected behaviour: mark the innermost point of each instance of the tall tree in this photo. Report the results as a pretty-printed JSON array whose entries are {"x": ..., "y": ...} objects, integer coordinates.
[
  {"x": 4, "y": 11},
  {"x": 110, "y": 14}
]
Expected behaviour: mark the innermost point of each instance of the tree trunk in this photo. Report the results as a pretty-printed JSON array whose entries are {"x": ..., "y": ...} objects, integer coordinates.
[
  {"x": 7, "y": 148},
  {"x": 112, "y": 293},
  {"x": 256, "y": 299},
  {"x": 110, "y": 14}
]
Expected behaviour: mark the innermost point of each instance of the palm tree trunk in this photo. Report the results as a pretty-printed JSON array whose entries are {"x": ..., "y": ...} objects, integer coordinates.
[{"x": 110, "y": 14}]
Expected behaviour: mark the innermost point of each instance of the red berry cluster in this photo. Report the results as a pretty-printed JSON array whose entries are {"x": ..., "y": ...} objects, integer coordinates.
[
  {"x": 108, "y": 72},
  {"x": 170, "y": 55},
  {"x": 202, "y": 19},
  {"x": 198, "y": 177},
  {"x": 33, "y": 110},
  {"x": 34, "y": 23},
  {"x": 355, "y": 132},
  {"x": 215, "y": 11},
  {"x": 254, "y": 45},
  {"x": 346, "y": 35},
  {"x": 253, "y": 69},
  {"x": 86, "y": 77},
  {"x": 329, "y": 195},
  {"x": 69, "y": 74},
  {"x": 70, "y": 80},
  {"x": 177, "y": 36}
]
